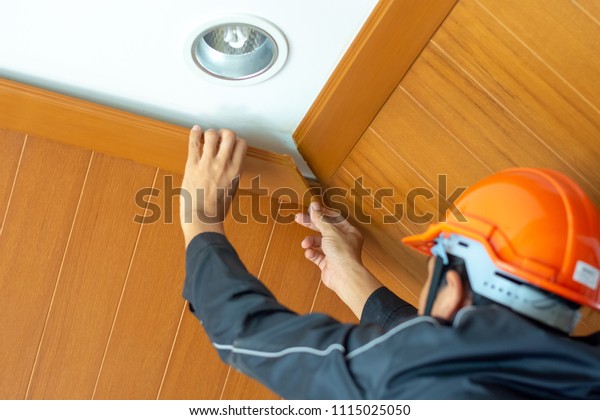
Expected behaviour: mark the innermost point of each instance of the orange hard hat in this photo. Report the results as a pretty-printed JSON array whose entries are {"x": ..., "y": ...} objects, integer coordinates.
[{"x": 536, "y": 224}]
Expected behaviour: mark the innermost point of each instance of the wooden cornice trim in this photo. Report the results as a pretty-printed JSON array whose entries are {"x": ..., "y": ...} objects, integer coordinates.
[
  {"x": 383, "y": 51},
  {"x": 62, "y": 118}
]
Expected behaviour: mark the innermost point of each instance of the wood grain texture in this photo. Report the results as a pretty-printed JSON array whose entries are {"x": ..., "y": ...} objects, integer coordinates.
[
  {"x": 584, "y": 328},
  {"x": 32, "y": 246},
  {"x": 294, "y": 282},
  {"x": 590, "y": 8},
  {"x": 525, "y": 88},
  {"x": 195, "y": 370},
  {"x": 383, "y": 240},
  {"x": 589, "y": 324},
  {"x": 382, "y": 52},
  {"x": 149, "y": 310},
  {"x": 363, "y": 207},
  {"x": 122, "y": 134},
  {"x": 389, "y": 279},
  {"x": 383, "y": 169},
  {"x": 425, "y": 145},
  {"x": 561, "y": 37},
  {"x": 11, "y": 144},
  {"x": 471, "y": 114},
  {"x": 591, "y": 320},
  {"x": 91, "y": 281}
]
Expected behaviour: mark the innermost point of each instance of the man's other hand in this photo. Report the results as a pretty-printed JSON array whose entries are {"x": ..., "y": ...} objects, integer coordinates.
[
  {"x": 337, "y": 252},
  {"x": 210, "y": 181}
]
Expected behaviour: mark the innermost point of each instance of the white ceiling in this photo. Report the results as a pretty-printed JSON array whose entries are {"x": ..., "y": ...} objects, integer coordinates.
[{"x": 130, "y": 54}]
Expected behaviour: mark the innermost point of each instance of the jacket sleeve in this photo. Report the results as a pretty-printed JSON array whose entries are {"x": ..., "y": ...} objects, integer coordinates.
[
  {"x": 387, "y": 310},
  {"x": 299, "y": 357}
]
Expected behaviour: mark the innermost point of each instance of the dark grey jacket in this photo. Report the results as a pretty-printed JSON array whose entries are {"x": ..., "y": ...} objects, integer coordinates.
[{"x": 487, "y": 352}]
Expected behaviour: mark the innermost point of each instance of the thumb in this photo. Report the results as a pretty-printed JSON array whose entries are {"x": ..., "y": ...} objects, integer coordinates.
[
  {"x": 317, "y": 217},
  {"x": 323, "y": 218}
]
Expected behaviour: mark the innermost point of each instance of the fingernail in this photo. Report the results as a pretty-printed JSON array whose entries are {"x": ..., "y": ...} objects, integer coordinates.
[
  {"x": 196, "y": 128},
  {"x": 315, "y": 206}
]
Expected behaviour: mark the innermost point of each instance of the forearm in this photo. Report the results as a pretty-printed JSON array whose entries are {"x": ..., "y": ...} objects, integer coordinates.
[
  {"x": 370, "y": 300},
  {"x": 356, "y": 287}
]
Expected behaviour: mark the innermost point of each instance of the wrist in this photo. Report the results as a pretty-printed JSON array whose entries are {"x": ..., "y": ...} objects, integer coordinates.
[
  {"x": 190, "y": 231},
  {"x": 356, "y": 287}
]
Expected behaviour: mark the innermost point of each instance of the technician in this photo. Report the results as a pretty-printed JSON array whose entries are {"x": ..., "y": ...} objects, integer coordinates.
[{"x": 502, "y": 295}]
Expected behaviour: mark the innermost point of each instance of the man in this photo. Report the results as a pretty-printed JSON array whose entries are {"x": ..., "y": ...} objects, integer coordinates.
[{"x": 502, "y": 295}]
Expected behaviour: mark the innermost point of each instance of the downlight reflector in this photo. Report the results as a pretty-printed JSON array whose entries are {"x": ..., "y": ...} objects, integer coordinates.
[{"x": 239, "y": 49}]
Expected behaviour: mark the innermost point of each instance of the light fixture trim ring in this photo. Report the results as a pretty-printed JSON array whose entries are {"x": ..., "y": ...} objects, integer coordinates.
[{"x": 266, "y": 28}]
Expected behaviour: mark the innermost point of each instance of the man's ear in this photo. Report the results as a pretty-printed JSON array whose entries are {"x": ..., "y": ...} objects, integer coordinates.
[{"x": 450, "y": 298}]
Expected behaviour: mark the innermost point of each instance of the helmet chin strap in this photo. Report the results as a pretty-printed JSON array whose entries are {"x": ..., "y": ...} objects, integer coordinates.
[
  {"x": 439, "y": 271},
  {"x": 489, "y": 281}
]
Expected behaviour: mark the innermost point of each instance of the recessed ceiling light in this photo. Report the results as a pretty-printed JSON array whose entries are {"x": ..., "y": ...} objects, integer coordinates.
[{"x": 238, "y": 49}]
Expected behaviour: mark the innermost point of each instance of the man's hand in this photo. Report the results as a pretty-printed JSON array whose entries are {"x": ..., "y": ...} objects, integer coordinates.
[
  {"x": 211, "y": 179},
  {"x": 337, "y": 252}
]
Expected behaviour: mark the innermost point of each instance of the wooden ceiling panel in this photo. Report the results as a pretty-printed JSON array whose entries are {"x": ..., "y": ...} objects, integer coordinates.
[
  {"x": 384, "y": 168},
  {"x": 380, "y": 55},
  {"x": 91, "y": 281},
  {"x": 426, "y": 145},
  {"x": 150, "y": 308},
  {"x": 525, "y": 86},
  {"x": 32, "y": 247},
  {"x": 12, "y": 144},
  {"x": 589, "y": 7},
  {"x": 477, "y": 119},
  {"x": 560, "y": 35}
]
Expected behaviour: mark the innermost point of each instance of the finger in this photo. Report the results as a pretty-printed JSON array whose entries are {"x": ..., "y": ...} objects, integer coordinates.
[
  {"x": 211, "y": 141},
  {"x": 227, "y": 145},
  {"x": 332, "y": 216},
  {"x": 314, "y": 256},
  {"x": 323, "y": 223},
  {"x": 239, "y": 152},
  {"x": 194, "y": 145},
  {"x": 311, "y": 242},
  {"x": 304, "y": 220},
  {"x": 329, "y": 212}
]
